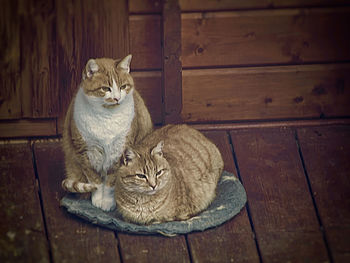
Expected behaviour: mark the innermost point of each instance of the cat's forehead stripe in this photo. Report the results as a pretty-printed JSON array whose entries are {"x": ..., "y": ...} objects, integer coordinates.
[{"x": 114, "y": 84}]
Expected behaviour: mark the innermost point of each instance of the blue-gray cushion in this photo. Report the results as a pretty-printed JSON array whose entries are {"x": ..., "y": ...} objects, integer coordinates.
[{"x": 230, "y": 199}]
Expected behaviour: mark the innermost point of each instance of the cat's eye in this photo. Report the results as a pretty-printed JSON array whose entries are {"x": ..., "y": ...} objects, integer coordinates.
[
  {"x": 106, "y": 89},
  {"x": 123, "y": 87},
  {"x": 159, "y": 172},
  {"x": 141, "y": 176}
]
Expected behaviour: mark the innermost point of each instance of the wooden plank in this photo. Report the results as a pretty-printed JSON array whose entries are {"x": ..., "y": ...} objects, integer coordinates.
[
  {"x": 27, "y": 128},
  {"x": 10, "y": 101},
  {"x": 266, "y": 92},
  {"x": 39, "y": 59},
  {"x": 149, "y": 85},
  {"x": 145, "y": 41},
  {"x": 234, "y": 240},
  {"x": 145, "y": 6},
  {"x": 291, "y": 36},
  {"x": 22, "y": 231},
  {"x": 172, "y": 67},
  {"x": 154, "y": 6},
  {"x": 280, "y": 204},
  {"x": 71, "y": 239},
  {"x": 269, "y": 124},
  {"x": 87, "y": 29},
  {"x": 326, "y": 152},
  {"x": 136, "y": 248},
  {"x": 210, "y": 5}
]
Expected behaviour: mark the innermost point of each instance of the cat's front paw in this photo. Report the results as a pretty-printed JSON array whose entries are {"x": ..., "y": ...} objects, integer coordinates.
[
  {"x": 97, "y": 196},
  {"x": 108, "y": 204},
  {"x": 103, "y": 198}
]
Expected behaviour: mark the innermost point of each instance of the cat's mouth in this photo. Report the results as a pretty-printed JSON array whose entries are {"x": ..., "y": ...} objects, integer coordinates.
[{"x": 111, "y": 105}]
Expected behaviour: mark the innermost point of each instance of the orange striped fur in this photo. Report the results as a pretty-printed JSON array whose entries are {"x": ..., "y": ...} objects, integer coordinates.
[{"x": 171, "y": 175}]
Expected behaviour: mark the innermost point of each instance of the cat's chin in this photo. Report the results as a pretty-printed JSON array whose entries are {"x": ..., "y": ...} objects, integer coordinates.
[{"x": 151, "y": 192}]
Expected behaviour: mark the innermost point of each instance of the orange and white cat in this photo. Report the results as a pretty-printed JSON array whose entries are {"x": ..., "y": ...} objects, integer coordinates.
[{"x": 105, "y": 116}]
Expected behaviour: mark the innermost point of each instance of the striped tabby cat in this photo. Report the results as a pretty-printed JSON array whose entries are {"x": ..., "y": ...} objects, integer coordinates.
[
  {"x": 106, "y": 114},
  {"x": 171, "y": 175}
]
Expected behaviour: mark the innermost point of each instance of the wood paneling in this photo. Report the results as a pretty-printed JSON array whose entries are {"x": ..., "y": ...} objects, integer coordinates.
[
  {"x": 280, "y": 204},
  {"x": 234, "y": 240},
  {"x": 326, "y": 154},
  {"x": 45, "y": 45},
  {"x": 145, "y": 6},
  {"x": 149, "y": 85},
  {"x": 22, "y": 230},
  {"x": 28, "y": 128},
  {"x": 87, "y": 29},
  {"x": 10, "y": 101},
  {"x": 266, "y": 92},
  {"x": 71, "y": 240},
  {"x": 171, "y": 57},
  {"x": 270, "y": 124},
  {"x": 265, "y": 37},
  {"x": 208, "y": 5},
  {"x": 39, "y": 59},
  {"x": 138, "y": 248},
  {"x": 145, "y": 41},
  {"x": 154, "y": 6}
]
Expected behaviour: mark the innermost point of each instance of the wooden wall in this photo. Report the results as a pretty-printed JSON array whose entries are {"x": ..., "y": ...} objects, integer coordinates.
[
  {"x": 263, "y": 60},
  {"x": 241, "y": 60},
  {"x": 44, "y": 46}
]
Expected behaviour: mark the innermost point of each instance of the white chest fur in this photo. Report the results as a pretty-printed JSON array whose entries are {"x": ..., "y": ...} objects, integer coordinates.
[{"x": 103, "y": 130}]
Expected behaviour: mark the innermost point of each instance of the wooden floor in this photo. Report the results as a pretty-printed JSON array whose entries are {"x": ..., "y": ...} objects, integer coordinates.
[{"x": 298, "y": 186}]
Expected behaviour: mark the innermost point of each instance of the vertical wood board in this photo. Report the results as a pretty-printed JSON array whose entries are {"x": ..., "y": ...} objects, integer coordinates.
[
  {"x": 137, "y": 248},
  {"x": 145, "y": 6},
  {"x": 149, "y": 85},
  {"x": 280, "y": 204},
  {"x": 234, "y": 240},
  {"x": 39, "y": 59},
  {"x": 71, "y": 238},
  {"x": 10, "y": 93},
  {"x": 22, "y": 231},
  {"x": 172, "y": 67},
  {"x": 145, "y": 41},
  {"x": 326, "y": 152}
]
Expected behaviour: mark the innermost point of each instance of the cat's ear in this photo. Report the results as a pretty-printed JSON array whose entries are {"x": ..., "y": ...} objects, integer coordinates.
[
  {"x": 91, "y": 68},
  {"x": 158, "y": 150},
  {"x": 128, "y": 156},
  {"x": 124, "y": 64}
]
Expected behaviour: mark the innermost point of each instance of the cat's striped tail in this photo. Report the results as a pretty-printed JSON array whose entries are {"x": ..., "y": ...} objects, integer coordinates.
[{"x": 77, "y": 187}]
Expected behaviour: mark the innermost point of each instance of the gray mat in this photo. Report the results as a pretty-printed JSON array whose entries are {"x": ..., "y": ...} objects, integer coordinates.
[{"x": 230, "y": 199}]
